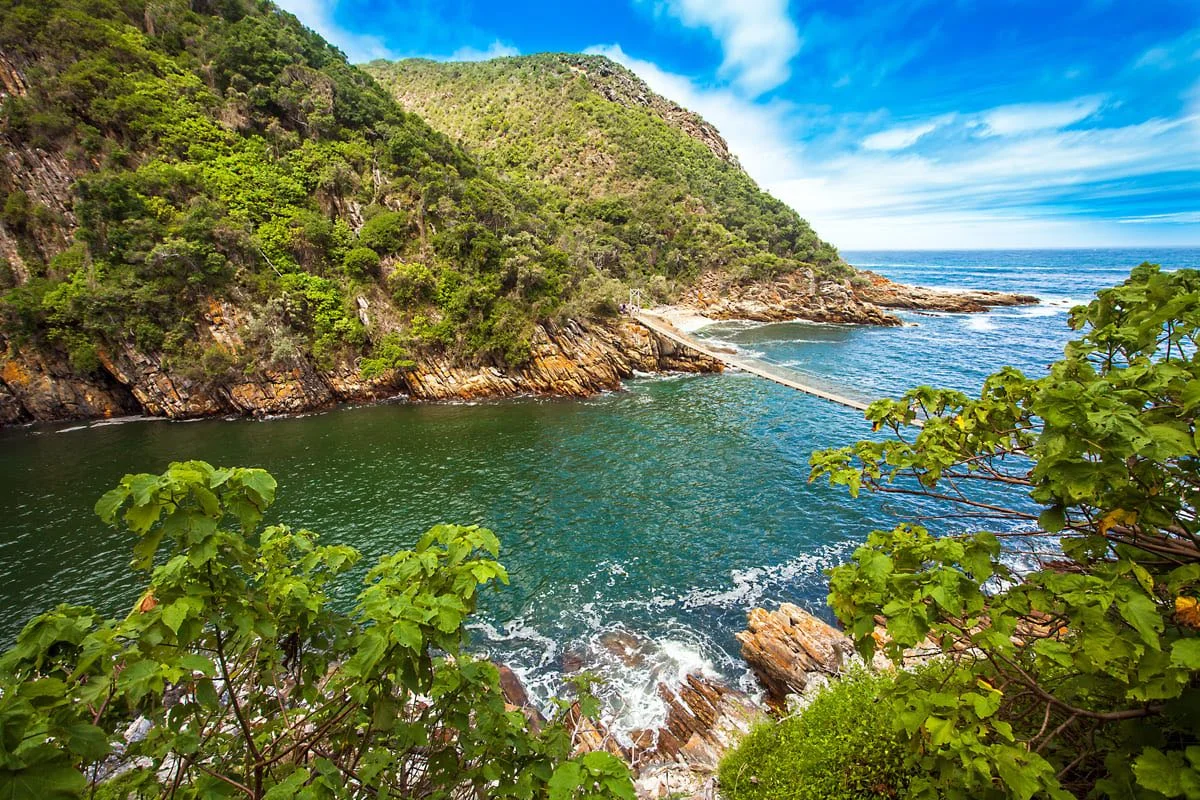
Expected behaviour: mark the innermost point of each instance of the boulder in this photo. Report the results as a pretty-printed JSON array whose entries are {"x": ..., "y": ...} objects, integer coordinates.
[{"x": 788, "y": 647}]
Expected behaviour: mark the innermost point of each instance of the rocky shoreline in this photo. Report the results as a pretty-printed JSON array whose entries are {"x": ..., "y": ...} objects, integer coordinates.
[
  {"x": 572, "y": 359},
  {"x": 792, "y": 654}
]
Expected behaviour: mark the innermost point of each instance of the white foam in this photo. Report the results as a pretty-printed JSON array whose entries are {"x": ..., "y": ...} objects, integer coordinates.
[{"x": 980, "y": 323}]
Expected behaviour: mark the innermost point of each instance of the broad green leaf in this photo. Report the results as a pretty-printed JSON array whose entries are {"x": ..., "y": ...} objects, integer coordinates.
[
  {"x": 1185, "y": 653},
  {"x": 566, "y": 779}
]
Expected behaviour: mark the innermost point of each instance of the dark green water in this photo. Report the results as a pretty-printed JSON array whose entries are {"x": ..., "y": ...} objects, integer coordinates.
[{"x": 664, "y": 510}]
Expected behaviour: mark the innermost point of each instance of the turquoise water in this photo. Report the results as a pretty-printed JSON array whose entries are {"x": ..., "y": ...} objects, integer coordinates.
[{"x": 662, "y": 512}]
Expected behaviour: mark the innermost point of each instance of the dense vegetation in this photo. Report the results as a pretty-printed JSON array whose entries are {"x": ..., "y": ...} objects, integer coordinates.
[
  {"x": 167, "y": 154},
  {"x": 839, "y": 747},
  {"x": 252, "y": 684},
  {"x": 1080, "y": 677},
  {"x": 646, "y": 189}
]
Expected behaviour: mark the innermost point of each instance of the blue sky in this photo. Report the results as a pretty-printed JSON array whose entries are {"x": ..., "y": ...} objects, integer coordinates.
[{"x": 904, "y": 123}]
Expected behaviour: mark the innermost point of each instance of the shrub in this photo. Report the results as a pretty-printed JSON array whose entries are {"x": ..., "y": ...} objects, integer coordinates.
[
  {"x": 361, "y": 262},
  {"x": 840, "y": 747},
  {"x": 389, "y": 354},
  {"x": 411, "y": 284},
  {"x": 1086, "y": 678},
  {"x": 385, "y": 233}
]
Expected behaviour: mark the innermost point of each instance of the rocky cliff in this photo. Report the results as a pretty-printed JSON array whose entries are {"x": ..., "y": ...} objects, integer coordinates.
[
  {"x": 570, "y": 360},
  {"x": 802, "y": 294}
]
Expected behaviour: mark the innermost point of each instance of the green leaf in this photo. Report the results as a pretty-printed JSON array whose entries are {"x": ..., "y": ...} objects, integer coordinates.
[
  {"x": 1141, "y": 612},
  {"x": 566, "y": 779},
  {"x": 1159, "y": 772},
  {"x": 89, "y": 742},
  {"x": 108, "y": 505},
  {"x": 1185, "y": 653},
  {"x": 1053, "y": 519},
  {"x": 48, "y": 780},
  {"x": 174, "y": 614}
]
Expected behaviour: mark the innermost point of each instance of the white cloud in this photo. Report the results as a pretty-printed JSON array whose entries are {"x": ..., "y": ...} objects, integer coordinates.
[
  {"x": 1172, "y": 54},
  {"x": 497, "y": 49},
  {"x": 968, "y": 191},
  {"x": 319, "y": 15},
  {"x": 1178, "y": 218},
  {"x": 757, "y": 37},
  {"x": 1029, "y": 117},
  {"x": 898, "y": 138}
]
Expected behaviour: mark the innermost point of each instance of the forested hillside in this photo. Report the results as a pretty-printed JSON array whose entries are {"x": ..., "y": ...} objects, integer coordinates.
[
  {"x": 646, "y": 187},
  {"x": 203, "y": 202}
]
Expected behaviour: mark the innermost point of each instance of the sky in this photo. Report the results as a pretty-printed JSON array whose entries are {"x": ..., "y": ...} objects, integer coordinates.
[{"x": 893, "y": 124}]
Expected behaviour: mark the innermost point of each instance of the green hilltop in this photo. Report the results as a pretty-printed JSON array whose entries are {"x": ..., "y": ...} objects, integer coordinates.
[{"x": 647, "y": 188}]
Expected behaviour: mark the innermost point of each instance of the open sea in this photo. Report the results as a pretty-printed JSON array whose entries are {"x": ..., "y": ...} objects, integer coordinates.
[{"x": 657, "y": 515}]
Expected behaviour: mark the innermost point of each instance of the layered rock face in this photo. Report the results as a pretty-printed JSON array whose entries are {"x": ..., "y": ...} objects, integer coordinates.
[
  {"x": 889, "y": 294},
  {"x": 572, "y": 360},
  {"x": 796, "y": 295},
  {"x": 788, "y": 647}
]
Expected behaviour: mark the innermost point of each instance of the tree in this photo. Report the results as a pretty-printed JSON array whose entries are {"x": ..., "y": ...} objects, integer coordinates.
[
  {"x": 256, "y": 684},
  {"x": 1082, "y": 674}
]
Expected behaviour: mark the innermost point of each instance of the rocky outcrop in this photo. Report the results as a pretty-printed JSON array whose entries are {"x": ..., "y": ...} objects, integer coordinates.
[
  {"x": 576, "y": 359},
  {"x": 796, "y": 295},
  {"x": 705, "y": 717},
  {"x": 34, "y": 387},
  {"x": 570, "y": 360},
  {"x": 873, "y": 288},
  {"x": 788, "y": 647}
]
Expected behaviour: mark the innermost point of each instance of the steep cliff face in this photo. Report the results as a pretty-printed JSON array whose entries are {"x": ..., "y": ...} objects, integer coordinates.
[{"x": 570, "y": 360}]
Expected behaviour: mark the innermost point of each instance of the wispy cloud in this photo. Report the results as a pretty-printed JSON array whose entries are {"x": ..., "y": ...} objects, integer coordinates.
[
  {"x": 497, "y": 49},
  {"x": 1168, "y": 55},
  {"x": 758, "y": 37},
  {"x": 320, "y": 16},
  {"x": 899, "y": 138},
  {"x": 1178, "y": 218},
  {"x": 1029, "y": 117}
]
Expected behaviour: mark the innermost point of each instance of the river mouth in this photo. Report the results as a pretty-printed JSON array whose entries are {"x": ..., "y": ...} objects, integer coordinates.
[{"x": 638, "y": 526}]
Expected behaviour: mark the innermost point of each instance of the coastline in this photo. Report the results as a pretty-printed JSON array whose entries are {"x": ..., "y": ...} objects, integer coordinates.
[{"x": 575, "y": 358}]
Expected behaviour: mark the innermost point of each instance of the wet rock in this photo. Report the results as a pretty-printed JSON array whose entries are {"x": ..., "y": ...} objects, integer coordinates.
[
  {"x": 705, "y": 717},
  {"x": 628, "y": 649},
  {"x": 786, "y": 648},
  {"x": 517, "y": 698},
  {"x": 571, "y": 661}
]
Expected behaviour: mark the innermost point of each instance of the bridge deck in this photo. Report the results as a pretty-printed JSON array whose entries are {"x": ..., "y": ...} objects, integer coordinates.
[{"x": 772, "y": 372}]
